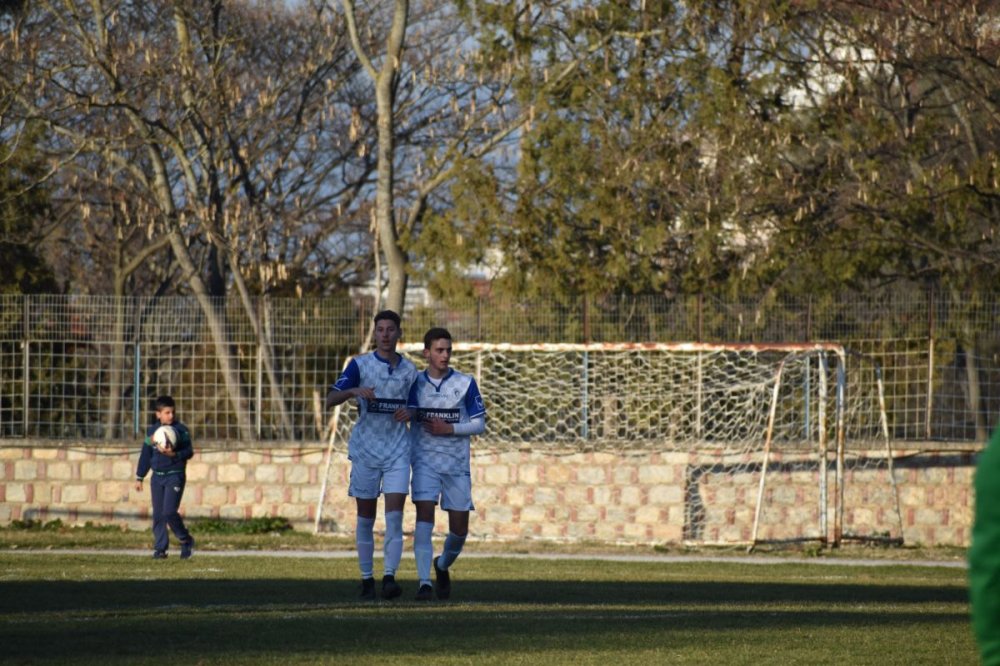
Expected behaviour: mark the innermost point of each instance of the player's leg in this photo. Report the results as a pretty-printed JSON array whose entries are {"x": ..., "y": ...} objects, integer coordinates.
[
  {"x": 157, "y": 489},
  {"x": 364, "y": 488},
  {"x": 458, "y": 531},
  {"x": 426, "y": 488},
  {"x": 395, "y": 485},
  {"x": 173, "y": 493},
  {"x": 456, "y": 499}
]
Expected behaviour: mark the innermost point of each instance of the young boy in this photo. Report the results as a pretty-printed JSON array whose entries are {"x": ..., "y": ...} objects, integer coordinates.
[
  {"x": 449, "y": 410},
  {"x": 167, "y": 483},
  {"x": 379, "y": 448}
]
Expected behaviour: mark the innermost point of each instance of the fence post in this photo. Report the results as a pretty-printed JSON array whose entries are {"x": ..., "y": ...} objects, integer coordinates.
[
  {"x": 362, "y": 323},
  {"x": 809, "y": 313},
  {"x": 700, "y": 304},
  {"x": 929, "y": 411},
  {"x": 807, "y": 405},
  {"x": 259, "y": 379},
  {"x": 137, "y": 368},
  {"x": 479, "y": 318},
  {"x": 25, "y": 363},
  {"x": 585, "y": 399}
]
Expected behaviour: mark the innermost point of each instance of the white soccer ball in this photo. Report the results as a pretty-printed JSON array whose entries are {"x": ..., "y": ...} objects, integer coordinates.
[{"x": 164, "y": 437}]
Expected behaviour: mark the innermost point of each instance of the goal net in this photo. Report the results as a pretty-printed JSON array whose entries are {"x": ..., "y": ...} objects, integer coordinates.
[{"x": 777, "y": 442}]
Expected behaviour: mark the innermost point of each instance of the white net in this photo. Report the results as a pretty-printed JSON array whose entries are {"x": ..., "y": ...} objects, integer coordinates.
[{"x": 755, "y": 428}]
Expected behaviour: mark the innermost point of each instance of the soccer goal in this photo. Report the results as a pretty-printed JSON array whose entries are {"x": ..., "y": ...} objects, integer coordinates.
[{"x": 778, "y": 442}]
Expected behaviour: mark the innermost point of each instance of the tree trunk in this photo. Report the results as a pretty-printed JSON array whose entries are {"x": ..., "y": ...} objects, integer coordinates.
[
  {"x": 385, "y": 99},
  {"x": 974, "y": 393},
  {"x": 228, "y": 369}
]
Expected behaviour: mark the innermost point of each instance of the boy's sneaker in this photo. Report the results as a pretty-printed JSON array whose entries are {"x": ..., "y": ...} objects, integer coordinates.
[
  {"x": 159, "y": 554},
  {"x": 425, "y": 593},
  {"x": 443, "y": 580},
  {"x": 367, "y": 589},
  {"x": 390, "y": 588},
  {"x": 186, "y": 549}
]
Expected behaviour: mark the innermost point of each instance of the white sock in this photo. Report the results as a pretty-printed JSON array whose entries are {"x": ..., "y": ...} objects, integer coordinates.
[
  {"x": 452, "y": 547},
  {"x": 365, "y": 539},
  {"x": 393, "y": 548},
  {"x": 423, "y": 550}
]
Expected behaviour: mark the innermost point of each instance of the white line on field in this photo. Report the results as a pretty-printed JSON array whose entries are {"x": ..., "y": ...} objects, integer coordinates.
[{"x": 665, "y": 559}]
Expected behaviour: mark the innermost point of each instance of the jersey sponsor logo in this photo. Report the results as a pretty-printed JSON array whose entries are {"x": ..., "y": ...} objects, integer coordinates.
[
  {"x": 446, "y": 415},
  {"x": 384, "y": 405}
]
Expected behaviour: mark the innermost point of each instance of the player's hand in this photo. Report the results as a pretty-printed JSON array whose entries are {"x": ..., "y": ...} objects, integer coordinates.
[
  {"x": 438, "y": 426},
  {"x": 402, "y": 415},
  {"x": 366, "y": 392},
  {"x": 138, "y": 485}
]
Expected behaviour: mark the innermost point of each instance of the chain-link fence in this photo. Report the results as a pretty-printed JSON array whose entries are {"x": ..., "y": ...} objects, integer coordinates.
[{"x": 90, "y": 366}]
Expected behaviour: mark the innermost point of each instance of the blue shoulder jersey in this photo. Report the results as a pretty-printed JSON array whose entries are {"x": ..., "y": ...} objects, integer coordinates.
[
  {"x": 455, "y": 399},
  {"x": 377, "y": 438}
]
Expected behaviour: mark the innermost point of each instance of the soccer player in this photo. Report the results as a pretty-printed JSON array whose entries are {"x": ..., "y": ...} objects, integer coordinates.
[
  {"x": 379, "y": 448},
  {"x": 448, "y": 410},
  {"x": 984, "y": 554}
]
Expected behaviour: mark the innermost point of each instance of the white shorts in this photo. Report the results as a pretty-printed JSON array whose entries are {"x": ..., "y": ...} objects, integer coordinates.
[
  {"x": 369, "y": 482},
  {"x": 453, "y": 490}
]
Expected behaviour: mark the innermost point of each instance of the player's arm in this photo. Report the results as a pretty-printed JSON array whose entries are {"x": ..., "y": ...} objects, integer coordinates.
[
  {"x": 474, "y": 426},
  {"x": 413, "y": 401},
  {"x": 185, "y": 447},
  {"x": 440, "y": 427},
  {"x": 476, "y": 410},
  {"x": 348, "y": 386},
  {"x": 145, "y": 460},
  {"x": 401, "y": 415},
  {"x": 334, "y": 398}
]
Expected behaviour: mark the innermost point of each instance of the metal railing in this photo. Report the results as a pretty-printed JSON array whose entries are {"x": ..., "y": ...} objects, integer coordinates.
[{"x": 88, "y": 367}]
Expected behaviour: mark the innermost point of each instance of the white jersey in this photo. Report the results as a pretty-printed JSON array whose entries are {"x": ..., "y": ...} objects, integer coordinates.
[
  {"x": 455, "y": 399},
  {"x": 377, "y": 438}
]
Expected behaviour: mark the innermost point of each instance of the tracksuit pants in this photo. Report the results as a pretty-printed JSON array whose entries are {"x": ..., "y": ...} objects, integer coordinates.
[{"x": 167, "y": 491}]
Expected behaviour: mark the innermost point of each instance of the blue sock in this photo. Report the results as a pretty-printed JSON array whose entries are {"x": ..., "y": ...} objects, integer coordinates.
[
  {"x": 365, "y": 539},
  {"x": 393, "y": 547},
  {"x": 423, "y": 550},
  {"x": 452, "y": 547}
]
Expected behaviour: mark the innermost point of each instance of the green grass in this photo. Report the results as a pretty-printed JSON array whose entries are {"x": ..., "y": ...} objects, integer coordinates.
[
  {"x": 248, "y": 535},
  {"x": 58, "y": 608}
]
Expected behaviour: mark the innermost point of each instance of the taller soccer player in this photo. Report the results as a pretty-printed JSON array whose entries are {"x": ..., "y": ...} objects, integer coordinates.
[
  {"x": 447, "y": 409},
  {"x": 379, "y": 448}
]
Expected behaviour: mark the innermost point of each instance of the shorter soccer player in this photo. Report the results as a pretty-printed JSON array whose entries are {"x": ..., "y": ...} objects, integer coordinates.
[{"x": 447, "y": 410}]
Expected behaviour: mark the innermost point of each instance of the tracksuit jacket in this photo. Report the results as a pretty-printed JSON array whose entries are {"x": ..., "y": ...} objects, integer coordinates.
[{"x": 150, "y": 458}]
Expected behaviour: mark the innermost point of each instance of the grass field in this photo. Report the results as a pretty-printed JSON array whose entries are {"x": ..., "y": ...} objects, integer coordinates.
[{"x": 90, "y": 608}]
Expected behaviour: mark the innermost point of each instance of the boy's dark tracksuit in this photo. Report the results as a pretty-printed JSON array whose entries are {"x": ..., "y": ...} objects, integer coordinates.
[{"x": 166, "y": 484}]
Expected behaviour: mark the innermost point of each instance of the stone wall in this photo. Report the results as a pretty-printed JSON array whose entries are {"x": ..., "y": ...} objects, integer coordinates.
[{"x": 637, "y": 497}]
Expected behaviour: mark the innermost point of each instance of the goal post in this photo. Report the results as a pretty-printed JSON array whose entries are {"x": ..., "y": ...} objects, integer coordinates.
[{"x": 778, "y": 442}]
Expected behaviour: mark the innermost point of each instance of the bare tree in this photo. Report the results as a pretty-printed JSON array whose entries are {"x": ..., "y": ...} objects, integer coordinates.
[
  {"x": 443, "y": 102},
  {"x": 220, "y": 124}
]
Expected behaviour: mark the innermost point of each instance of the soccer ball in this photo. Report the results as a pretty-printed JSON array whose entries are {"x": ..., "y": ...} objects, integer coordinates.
[{"x": 164, "y": 437}]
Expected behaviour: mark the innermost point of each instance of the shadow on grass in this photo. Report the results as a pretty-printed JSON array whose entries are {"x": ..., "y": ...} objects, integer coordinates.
[
  {"x": 247, "y": 620},
  {"x": 25, "y": 597}
]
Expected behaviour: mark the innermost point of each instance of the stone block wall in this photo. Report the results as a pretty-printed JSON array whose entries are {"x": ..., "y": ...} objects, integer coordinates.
[{"x": 632, "y": 497}]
